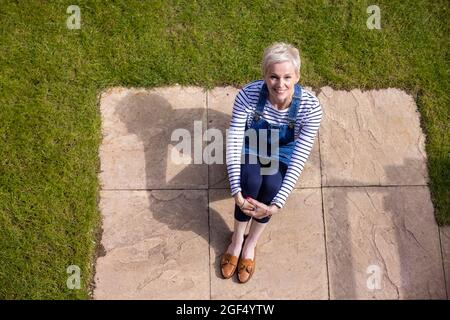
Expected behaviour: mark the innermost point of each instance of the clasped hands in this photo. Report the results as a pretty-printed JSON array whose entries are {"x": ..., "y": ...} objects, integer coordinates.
[{"x": 254, "y": 208}]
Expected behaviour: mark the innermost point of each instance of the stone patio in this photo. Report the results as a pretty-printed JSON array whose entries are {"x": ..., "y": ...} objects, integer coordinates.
[{"x": 359, "y": 225}]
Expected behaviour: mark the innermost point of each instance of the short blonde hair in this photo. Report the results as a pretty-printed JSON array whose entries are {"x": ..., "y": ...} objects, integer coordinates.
[{"x": 281, "y": 52}]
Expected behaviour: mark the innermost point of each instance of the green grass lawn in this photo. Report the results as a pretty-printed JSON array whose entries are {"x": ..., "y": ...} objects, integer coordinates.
[{"x": 51, "y": 76}]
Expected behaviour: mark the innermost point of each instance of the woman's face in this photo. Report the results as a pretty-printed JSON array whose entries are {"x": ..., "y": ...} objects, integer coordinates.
[{"x": 280, "y": 79}]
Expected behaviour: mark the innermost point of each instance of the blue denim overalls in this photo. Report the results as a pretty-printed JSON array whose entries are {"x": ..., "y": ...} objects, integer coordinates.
[{"x": 285, "y": 136}]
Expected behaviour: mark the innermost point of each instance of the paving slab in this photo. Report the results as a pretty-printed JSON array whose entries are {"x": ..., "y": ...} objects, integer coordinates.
[
  {"x": 220, "y": 107},
  {"x": 166, "y": 223},
  {"x": 138, "y": 147},
  {"x": 445, "y": 243},
  {"x": 290, "y": 256},
  {"x": 362, "y": 133},
  {"x": 156, "y": 245},
  {"x": 382, "y": 243}
]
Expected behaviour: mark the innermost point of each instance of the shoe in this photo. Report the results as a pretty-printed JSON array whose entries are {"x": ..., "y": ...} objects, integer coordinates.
[
  {"x": 228, "y": 264},
  {"x": 246, "y": 268}
]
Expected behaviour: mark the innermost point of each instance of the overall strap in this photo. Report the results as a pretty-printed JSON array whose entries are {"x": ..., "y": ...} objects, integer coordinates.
[
  {"x": 295, "y": 104},
  {"x": 261, "y": 103}
]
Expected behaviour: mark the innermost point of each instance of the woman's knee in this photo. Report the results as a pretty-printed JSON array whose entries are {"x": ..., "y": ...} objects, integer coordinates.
[
  {"x": 269, "y": 189},
  {"x": 262, "y": 220},
  {"x": 251, "y": 179},
  {"x": 239, "y": 215},
  {"x": 251, "y": 186}
]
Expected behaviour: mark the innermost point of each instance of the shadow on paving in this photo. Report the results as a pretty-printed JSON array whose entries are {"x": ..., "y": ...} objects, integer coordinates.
[
  {"x": 154, "y": 124},
  {"x": 159, "y": 119},
  {"x": 386, "y": 231}
]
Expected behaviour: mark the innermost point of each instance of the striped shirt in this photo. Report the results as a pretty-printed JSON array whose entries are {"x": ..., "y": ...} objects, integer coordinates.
[{"x": 306, "y": 126}]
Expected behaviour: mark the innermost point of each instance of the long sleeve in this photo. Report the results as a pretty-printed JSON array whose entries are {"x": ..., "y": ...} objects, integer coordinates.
[
  {"x": 303, "y": 145},
  {"x": 235, "y": 140}
]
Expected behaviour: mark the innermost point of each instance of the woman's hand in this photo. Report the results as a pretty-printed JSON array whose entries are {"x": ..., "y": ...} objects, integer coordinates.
[
  {"x": 261, "y": 210},
  {"x": 242, "y": 203}
]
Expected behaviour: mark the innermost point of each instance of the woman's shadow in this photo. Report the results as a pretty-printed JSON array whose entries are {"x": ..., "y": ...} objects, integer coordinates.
[{"x": 153, "y": 119}]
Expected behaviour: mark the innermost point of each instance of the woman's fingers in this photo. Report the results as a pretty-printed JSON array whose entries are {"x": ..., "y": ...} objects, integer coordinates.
[
  {"x": 250, "y": 212},
  {"x": 253, "y": 201},
  {"x": 259, "y": 212},
  {"x": 248, "y": 205},
  {"x": 254, "y": 208}
]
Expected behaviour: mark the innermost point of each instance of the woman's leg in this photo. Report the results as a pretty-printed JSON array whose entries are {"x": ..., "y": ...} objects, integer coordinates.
[
  {"x": 270, "y": 186},
  {"x": 256, "y": 229},
  {"x": 248, "y": 251},
  {"x": 251, "y": 180},
  {"x": 238, "y": 238}
]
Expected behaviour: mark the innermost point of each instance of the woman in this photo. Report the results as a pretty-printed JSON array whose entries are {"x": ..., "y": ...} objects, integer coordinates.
[{"x": 286, "y": 117}]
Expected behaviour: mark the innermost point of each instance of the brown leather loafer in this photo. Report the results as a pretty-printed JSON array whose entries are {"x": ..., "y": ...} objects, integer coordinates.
[
  {"x": 228, "y": 264},
  {"x": 246, "y": 268}
]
